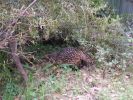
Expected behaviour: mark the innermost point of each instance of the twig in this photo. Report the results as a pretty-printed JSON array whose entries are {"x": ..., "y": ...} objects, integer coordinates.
[{"x": 22, "y": 13}]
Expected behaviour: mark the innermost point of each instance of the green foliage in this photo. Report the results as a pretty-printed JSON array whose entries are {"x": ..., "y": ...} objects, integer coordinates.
[
  {"x": 8, "y": 78},
  {"x": 33, "y": 89},
  {"x": 97, "y": 2},
  {"x": 3, "y": 57},
  {"x": 90, "y": 22},
  {"x": 5, "y": 73},
  {"x": 11, "y": 90},
  {"x": 113, "y": 57},
  {"x": 40, "y": 89},
  {"x": 54, "y": 84}
]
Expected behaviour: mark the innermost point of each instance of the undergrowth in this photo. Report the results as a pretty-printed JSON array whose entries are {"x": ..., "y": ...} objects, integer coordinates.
[{"x": 90, "y": 24}]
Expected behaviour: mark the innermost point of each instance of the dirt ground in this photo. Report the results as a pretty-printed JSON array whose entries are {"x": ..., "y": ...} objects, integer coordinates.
[{"x": 86, "y": 85}]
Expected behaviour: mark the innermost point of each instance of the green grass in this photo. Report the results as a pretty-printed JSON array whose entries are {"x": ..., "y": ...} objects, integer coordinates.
[
  {"x": 38, "y": 89},
  {"x": 11, "y": 90},
  {"x": 10, "y": 78},
  {"x": 41, "y": 85}
]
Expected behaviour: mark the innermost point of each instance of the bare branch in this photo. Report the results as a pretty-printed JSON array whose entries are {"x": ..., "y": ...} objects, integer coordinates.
[
  {"x": 13, "y": 47},
  {"x": 7, "y": 36}
]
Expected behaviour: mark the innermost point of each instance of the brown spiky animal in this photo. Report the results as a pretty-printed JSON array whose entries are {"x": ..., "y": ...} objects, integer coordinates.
[{"x": 69, "y": 55}]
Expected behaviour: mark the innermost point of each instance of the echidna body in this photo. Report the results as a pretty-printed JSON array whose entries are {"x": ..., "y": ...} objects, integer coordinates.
[{"x": 69, "y": 55}]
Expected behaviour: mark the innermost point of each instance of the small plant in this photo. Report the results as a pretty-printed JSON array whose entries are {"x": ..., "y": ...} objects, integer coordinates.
[
  {"x": 11, "y": 90},
  {"x": 113, "y": 59},
  {"x": 104, "y": 95},
  {"x": 39, "y": 89}
]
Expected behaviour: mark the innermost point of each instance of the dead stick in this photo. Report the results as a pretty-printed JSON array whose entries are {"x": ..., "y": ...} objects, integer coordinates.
[{"x": 13, "y": 47}]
